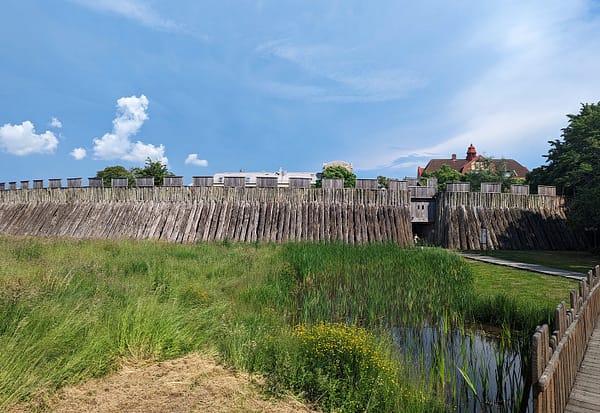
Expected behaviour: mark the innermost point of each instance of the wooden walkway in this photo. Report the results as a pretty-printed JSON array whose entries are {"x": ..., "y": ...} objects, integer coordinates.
[
  {"x": 585, "y": 396},
  {"x": 527, "y": 267}
]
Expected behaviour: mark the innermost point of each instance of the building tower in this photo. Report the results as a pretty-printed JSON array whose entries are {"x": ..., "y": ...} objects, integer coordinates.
[{"x": 471, "y": 153}]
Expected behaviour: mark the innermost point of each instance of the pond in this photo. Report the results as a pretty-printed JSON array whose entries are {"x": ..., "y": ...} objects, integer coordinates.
[{"x": 477, "y": 371}]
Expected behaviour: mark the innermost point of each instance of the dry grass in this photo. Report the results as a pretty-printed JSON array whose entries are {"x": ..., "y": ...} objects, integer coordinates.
[{"x": 194, "y": 383}]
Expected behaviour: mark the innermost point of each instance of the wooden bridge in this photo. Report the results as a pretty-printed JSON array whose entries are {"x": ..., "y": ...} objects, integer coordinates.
[{"x": 566, "y": 363}]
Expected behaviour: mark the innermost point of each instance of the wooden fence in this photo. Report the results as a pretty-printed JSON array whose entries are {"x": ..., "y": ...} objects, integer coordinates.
[
  {"x": 202, "y": 181},
  {"x": 332, "y": 183},
  {"x": 299, "y": 182},
  {"x": 191, "y": 194},
  {"x": 491, "y": 187},
  {"x": 193, "y": 214},
  {"x": 367, "y": 184},
  {"x": 557, "y": 357},
  {"x": 511, "y": 221},
  {"x": 519, "y": 189},
  {"x": 458, "y": 187},
  {"x": 145, "y": 182}
]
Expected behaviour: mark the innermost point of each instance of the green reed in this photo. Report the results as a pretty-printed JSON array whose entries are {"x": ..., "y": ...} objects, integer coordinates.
[{"x": 71, "y": 310}]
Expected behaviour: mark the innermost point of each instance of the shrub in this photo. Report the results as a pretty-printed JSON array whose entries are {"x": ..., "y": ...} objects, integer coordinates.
[{"x": 343, "y": 368}]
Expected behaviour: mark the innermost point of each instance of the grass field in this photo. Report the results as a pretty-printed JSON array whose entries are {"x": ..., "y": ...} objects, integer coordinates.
[
  {"x": 309, "y": 317},
  {"x": 490, "y": 280},
  {"x": 576, "y": 261}
]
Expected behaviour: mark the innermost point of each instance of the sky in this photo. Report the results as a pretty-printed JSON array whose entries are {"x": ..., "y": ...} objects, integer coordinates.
[{"x": 219, "y": 86}]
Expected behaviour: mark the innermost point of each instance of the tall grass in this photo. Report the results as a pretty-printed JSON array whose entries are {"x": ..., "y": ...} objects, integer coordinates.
[
  {"x": 71, "y": 310},
  {"x": 375, "y": 285}
]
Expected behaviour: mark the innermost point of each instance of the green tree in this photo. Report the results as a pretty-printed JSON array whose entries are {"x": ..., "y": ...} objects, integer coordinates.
[
  {"x": 491, "y": 171},
  {"x": 116, "y": 171},
  {"x": 444, "y": 175},
  {"x": 383, "y": 181},
  {"x": 573, "y": 166},
  {"x": 155, "y": 169},
  {"x": 339, "y": 172}
]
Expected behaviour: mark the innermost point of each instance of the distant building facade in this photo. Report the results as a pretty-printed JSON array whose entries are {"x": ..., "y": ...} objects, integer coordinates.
[
  {"x": 474, "y": 162},
  {"x": 250, "y": 178}
]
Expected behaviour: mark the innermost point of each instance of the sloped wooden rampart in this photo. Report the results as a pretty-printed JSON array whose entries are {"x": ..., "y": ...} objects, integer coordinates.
[
  {"x": 209, "y": 214},
  {"x": 511, "y": 221}
]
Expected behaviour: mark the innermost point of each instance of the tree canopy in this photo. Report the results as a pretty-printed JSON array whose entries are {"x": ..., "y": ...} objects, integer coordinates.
[
  {"x": 573, "y": 166},
  {"x": 489, "y": 170},
  {"x": 339, "y": 172},
  {"x": 492, "y": 170},
  {"x": 155, "y": 169},
  {"x": 116, "y": 171},
  {"x": 444, "y": 175}
]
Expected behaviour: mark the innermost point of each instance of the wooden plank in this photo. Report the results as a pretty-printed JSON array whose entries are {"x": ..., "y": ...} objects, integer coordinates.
[
  {"x": 203, "y": 222},
  {"x": 192, "y": 223},
  {"x": 260, "y": 228},
  {"x": 251, "y": 236},
  {"x": 216, "y": 225},
  {"x": 585, "y": 393}
]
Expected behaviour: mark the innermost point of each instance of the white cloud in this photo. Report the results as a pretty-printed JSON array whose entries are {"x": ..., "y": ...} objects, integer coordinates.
[
  {"x": 139, "y": 152},
  {"x": 547, "y": 65},
  {"x": 135, "y": 10},
  {"x": 336, "y": 76},
  {"x": 541, "y": 62},
  {"x": 192, "y": 159},
  {"x": 131, "y": 115},
  {"x": 78, "y": 153},
  {"x": 55, "y": 123},
  {"x": 22, "y": 140}
]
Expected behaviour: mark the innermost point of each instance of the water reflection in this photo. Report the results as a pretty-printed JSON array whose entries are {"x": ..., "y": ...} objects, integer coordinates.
[{"x": 492, "y": 379}]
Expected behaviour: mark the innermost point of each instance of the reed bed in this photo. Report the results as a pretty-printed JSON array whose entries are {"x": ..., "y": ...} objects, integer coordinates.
[{"x": 329, "y": 322}]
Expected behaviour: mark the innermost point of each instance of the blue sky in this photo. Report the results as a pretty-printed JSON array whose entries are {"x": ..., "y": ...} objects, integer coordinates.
[{"x": 214, "y": 86}]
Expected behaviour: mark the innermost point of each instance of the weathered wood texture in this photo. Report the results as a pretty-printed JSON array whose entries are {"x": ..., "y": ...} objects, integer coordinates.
[
  {"x": 422, "y": 191},
  {"x": 267, "y": 181},
  {"x": 394, "y": 185},
  {"x": 332, "y": 183},
  {"x": 366, "y": 184},
  {"x": 432, "y": 182},
  {"x": 119, "y": 182},
  {"x": 556, "y": 358},
  {"x": 299, "y": 182},
  {"x": 585, "y": 395},
  {"x": 74, "y": 182},
  {"x": 24, "y": 184},
  {"x": 234, "y": 181},
  {"x": 491, "y": 187},
  {"x": 458, "y": 187},
  {"x": 173, "y": 181},
  {"x": 144, "y": 182},
  {"x": 519, "y": 189},
  {"x": 202, "y": 181},
  {"x": 194, "y": 214},
  {"x": 546, "y": 190},
  {"x": 95, "y": 182},
  {"x": 512, "y": 221}
]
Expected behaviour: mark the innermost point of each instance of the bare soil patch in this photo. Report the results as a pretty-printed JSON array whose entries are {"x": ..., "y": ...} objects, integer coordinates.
[{"x": 195, "y": 383}]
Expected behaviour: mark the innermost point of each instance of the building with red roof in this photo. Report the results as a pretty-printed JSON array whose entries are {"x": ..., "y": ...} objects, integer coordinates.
[{"x": 474, "y": 162}]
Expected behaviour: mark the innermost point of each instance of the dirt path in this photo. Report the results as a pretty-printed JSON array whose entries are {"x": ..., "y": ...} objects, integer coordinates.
[{"x": 194, "y": 383}]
